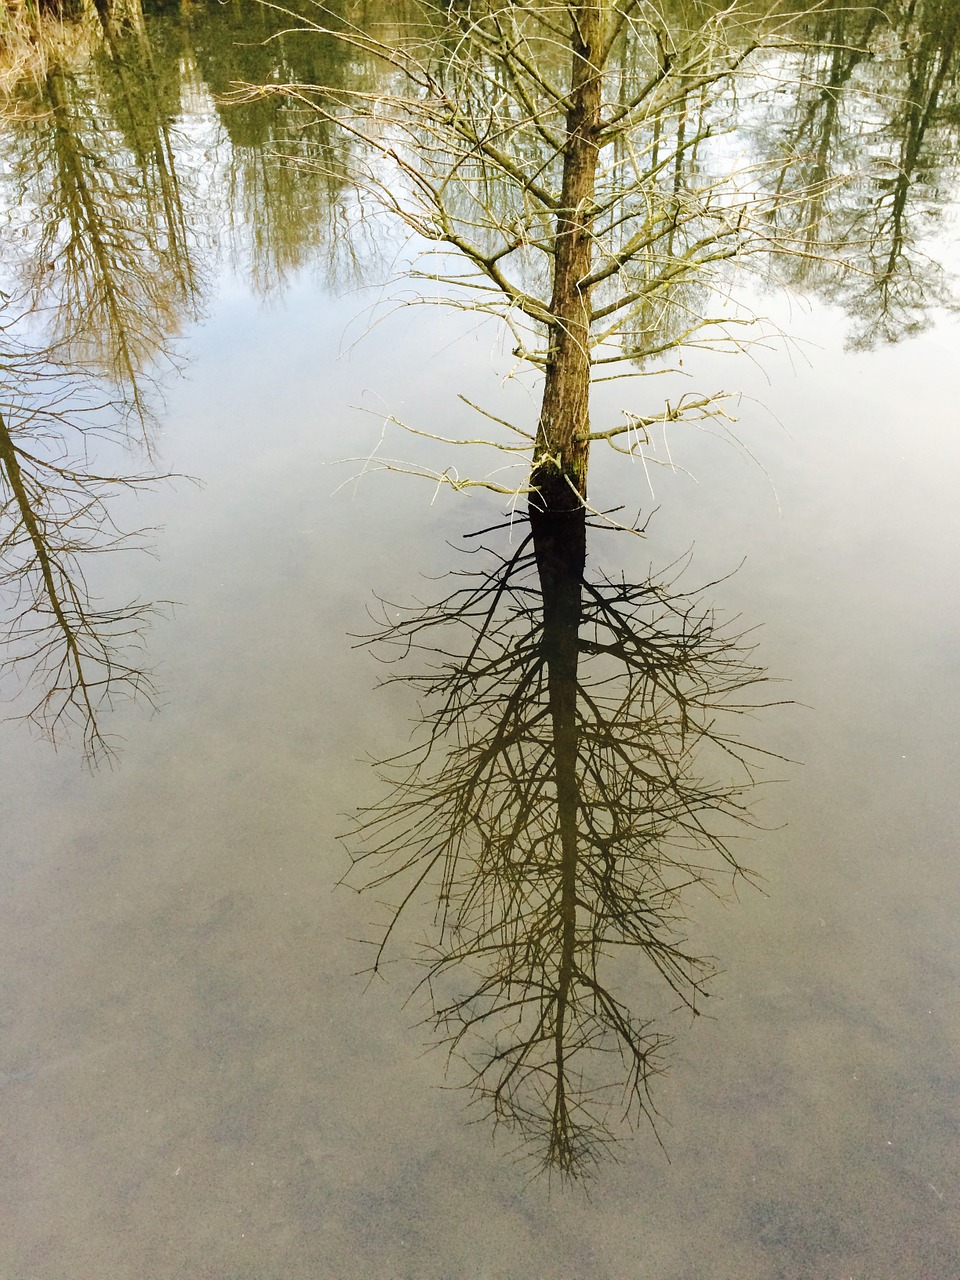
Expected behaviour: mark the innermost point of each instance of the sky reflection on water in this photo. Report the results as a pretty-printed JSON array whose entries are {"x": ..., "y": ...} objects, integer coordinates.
[{"x": 194, "y": 1078}]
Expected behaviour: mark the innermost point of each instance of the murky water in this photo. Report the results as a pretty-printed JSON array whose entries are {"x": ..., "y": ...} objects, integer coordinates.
[{"x": 197, "y": 1078}]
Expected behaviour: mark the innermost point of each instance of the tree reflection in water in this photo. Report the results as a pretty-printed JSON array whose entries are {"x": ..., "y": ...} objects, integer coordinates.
[
  {"x": 874, "y": 104},
  {"x": 62, "y": 649},
  {"x": 108, "y": 255},
  {"x": 578, "y": 769}
]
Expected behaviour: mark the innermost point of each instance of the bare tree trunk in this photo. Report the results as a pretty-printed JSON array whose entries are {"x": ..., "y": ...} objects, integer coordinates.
[
  {"x": 560, "y": 475},
  {"x": 560, "y": 470}
]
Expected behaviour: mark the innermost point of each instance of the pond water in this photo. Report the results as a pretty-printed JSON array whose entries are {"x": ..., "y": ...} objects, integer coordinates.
[{"x": 200, "y": 1075}]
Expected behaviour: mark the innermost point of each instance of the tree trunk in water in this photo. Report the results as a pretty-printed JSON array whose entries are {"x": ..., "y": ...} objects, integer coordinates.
[
  {"x": 561, "y": 451},
  {"x": 557, "y": 513}
]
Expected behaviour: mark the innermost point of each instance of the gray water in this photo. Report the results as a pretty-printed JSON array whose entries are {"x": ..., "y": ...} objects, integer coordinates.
[{"x": 198, "y": 1082}]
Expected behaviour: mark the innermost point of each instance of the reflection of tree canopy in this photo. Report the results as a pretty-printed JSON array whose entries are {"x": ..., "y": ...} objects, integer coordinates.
[
  {"x": 116, "y": 209},
  {"x": 598, "y": 177},
  {"x": 464, "y": 144},
  {"x": 876, "y": 104},
  {"x": 578, "y": 769},
  {"x": 72, "y": 655},
  {"x": 106, "y": 236},
  {"x": 278, "y": 217},
  {"x": 871, "y": 103}
]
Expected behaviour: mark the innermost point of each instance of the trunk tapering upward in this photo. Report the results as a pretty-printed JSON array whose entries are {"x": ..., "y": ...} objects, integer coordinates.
[{"x": 560, "y": 468}]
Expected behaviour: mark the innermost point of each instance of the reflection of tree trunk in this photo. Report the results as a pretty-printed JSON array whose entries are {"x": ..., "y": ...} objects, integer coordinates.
[
  {"x": 559, "y": 540},
  {"x": 174, "y": 217},
  {"x": 553, "y": 806},
  {"x": 62, "y": 8},
  {"x": 114, "y": 14},
  {"x": 560, "y": 467},
  {"x": 819, "y": 125}
]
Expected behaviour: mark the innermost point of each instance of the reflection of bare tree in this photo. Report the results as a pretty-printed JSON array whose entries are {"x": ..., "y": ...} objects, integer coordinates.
[
  {"x": 905, "y": 283},
  {"x": 118, "y": 231},
  {"x": 557, "y": 806},
  {"x": 278, "y": 216},
  {"x": 113, "y": 294},
  {"x": 144, "y": 93},
  {"x": 876, "y": 100},
  {"x": 92, "y": 169},
  {"x": 105, "y": 244},
  {"x": 76, "y": 653}
]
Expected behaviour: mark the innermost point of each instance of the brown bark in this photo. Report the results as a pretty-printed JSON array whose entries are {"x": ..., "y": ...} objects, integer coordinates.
[{"x": 562, "y": 447}]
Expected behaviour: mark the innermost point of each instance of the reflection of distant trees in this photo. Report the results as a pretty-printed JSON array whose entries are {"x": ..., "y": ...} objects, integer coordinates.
[
  {"x": 578, "y": 769},
  {"x": 875, "y": 115},
  {"x": 112, "y": 212},
  {"x": 110, "y": 271},
  {"x": 71, "y": 654},
  {"x": 119, "y": 209},
  {"x": 277, "y": 215},
  {"x": 105, "y": 253},
  {"x": 128, "y": 208},
  {"x": 142, "y": 87}
]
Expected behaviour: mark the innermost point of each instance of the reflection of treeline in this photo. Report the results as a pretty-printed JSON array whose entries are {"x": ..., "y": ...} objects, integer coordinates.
[
  {"x": 118, "y": 209},
  {"x": 277, "y": 215},
  {"x": 98, "y": 133},
  {"x": 860, "y": 153},
  {"x": 103, "y": 247},
  {"x": 877, "y": 104},
  {"x": 112, "y": 212},
  {"x": 578, "y": 770}
]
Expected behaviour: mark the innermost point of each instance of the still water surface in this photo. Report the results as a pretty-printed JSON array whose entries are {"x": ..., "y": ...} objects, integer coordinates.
[{"x": 195, "y": 1080}]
